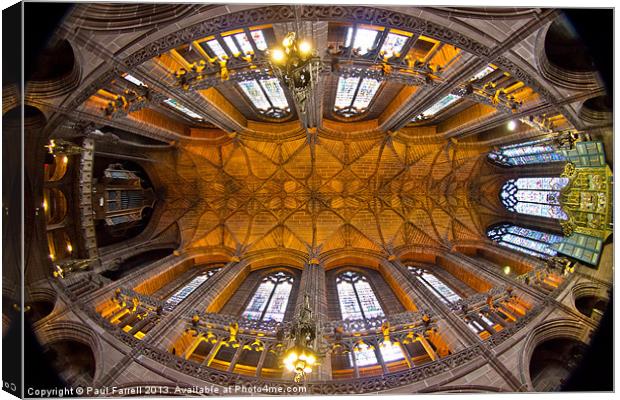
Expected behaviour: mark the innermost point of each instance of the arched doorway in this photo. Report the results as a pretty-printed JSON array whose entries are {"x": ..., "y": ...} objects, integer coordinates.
[
  {"x": 74, "y": 361},
  {"x": 553, "y": 361},
  {"x": 591, "y": 306}
]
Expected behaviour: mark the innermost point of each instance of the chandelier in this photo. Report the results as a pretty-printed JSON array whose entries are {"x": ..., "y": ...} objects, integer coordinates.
[
  {"x": 297, "y": 65},
  {"x": 301, "y": 357}
]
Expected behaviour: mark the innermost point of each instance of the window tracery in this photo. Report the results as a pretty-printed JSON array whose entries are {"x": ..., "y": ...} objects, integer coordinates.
[
  {"x": 270, "y": 299},
  {"x": 356, "y": 297},
  {"x": 528, "y": 241},
  {"x": 534, "y": 196},
  {"x": 188, "y": 289},
  {"x": 532, "y": 152},
  {"x": 354, "y": 95},
  {"x": 435, "y": 285},
  {"x": 267, "y": 97}
]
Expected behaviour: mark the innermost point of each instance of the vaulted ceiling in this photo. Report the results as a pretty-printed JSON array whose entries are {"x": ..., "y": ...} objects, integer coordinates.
[{"x": 319, "y": 196}]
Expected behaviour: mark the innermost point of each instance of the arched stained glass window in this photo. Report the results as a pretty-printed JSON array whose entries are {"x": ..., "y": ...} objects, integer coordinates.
[
  {"x": 528, "y": 241},
  {"x": 354, "y": 95},
  {"x": 436, "y": 286},
  {"x": 532, "y": 152},
  {"x": 356, "y": 297},
  {"x": 271, "y": 298},
  {"x": 358, "y": 301},
  {"x": 267, "y": 96},
  {"x": 534, "y": 196},
  {"x": 188, "y": 289}
]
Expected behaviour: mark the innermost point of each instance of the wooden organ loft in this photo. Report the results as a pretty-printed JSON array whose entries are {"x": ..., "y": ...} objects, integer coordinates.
[{"x": 436, "y": 217}]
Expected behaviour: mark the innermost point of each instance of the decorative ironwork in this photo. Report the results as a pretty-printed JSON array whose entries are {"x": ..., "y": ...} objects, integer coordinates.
[
  {"x": 131, "y": 100},
  {"x": 302, "y": 356}
]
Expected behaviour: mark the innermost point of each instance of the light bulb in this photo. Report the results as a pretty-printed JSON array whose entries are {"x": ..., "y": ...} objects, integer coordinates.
[
  {"x": 506, "y": 270},
  {"x": 305, "y": 48},
  {"x": 288, "y": 40},
  {"x": 69, "y": 247},
  {"x": 65, "y": 159},
  {"x": 512, "y": 125},
  {"x": 277, "y": 55}
]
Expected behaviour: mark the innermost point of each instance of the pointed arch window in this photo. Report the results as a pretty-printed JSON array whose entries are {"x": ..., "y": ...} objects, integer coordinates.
[
  {"x": 532, "y": 152},
  {"x": 528, "y": 241},
  {"x": 188, "y": 289},
  {"x": 534, "y": 196},
  {"x": 435, "y": 285},
  {"x": 267, "y": 97},
  {"x": 354, "y": 95},
  {"x": 438, "y": 107},
  {"x": 358, "y": 301},
  {"x": 356, "y": 297},
  {"x": 270, "y": 298}
]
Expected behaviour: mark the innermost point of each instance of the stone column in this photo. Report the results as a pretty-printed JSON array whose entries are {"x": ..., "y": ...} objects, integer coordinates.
[{"x": 313, "y": 284}]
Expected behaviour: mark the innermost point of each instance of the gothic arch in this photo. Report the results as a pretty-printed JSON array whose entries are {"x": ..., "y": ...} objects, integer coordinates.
[
  {"x": 597, "y": 110},
  {"x": 58, "y": 72},
  {"x": 71, "y": 331},
  {"x": 42, "y": 302},
  {"x": 243, "y": 296},
  {"x": 549, "y": 330},
  {"x": 562, "y": 57},
  {"x": 590, "y": 296}
]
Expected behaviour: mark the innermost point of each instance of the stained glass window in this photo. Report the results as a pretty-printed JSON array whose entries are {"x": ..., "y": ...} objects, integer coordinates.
[
  {"x": 475, "y": 326},
  {"x": 356, "y": 297},
  {"x": 528, "y": 241},
  {"x": 180, "y": 107},
  {"x": 188, "y": 289},
  {"x": 232, "y": 46},
  {"x": 364, "y": 39},
  {"x": 393, "y": 44},
  {"x": 437, "y": 107},
  {"x": 267, "y": 96},
  {"x": 270, "y": 298},
  {"x": 244, "y": 43},
  {"x": 482, "y": 73},
  {"x": 134, "y": 80},
  {"x": 217, "y": 49},
  {"x": 391, "y": 351},
  {"x": 436, "y": 286},
  {"x": 354, "y": 95},
  {"x": 532, "y": 152},
  {"x": 259, "y": 39},
  {"x": 238, "y": 43},
  {"x": 534, "y": 196},
  {"x": 364, "y": 355}
]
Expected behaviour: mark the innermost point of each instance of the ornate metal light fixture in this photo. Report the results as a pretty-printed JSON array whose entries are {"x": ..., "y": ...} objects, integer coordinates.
[
  {"x": 297, "y": 65},
  {"x": 302, "y": 356}
]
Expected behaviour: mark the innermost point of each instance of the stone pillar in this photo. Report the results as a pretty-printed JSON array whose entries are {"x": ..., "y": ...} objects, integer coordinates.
[
  {"x": 261, "y": 362},
  {"x": 313, "y": 284}
]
